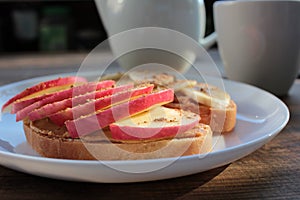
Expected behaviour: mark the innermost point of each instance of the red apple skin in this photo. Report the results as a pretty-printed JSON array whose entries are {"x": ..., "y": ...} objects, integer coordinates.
[
  {"x": 59, "y": 95},
  {"x": 142, "y": 133},
  {"x": 61, "y": 117},
  {"x": 63, "y": 95},
  {"x": 64, "y": 103},
  {"x": 42, "y": 86},
  {"x": 85, "y": 125},
  {"x": 19, "y": 105}
]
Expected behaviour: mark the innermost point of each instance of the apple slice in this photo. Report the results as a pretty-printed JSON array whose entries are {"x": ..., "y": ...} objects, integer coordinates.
[
  {"x": 65, "y": 94},
  {"x": 61, "y": 117},
  {"x": 61, "y": 94},
  {"x": 157, "y": 123},
  {"x": 63, "y": 105},
  {"x": 20, "y": 104},
  {"x": 36, "y": 89},
  {"x": 95, "y": 121}
]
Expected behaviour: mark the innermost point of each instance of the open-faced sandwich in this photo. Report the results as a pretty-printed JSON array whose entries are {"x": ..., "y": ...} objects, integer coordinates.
[{"x": 72, "y": 118}]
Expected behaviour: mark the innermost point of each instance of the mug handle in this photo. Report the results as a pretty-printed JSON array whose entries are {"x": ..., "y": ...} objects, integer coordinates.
[{"x": 211, "y": 39}]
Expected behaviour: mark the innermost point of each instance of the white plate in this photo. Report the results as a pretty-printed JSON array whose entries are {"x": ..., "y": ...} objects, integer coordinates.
[{"x": 260, "y": 117}]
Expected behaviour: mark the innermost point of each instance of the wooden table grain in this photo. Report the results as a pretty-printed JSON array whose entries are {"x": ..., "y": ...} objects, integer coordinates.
[{"x": 271, "y": 172}]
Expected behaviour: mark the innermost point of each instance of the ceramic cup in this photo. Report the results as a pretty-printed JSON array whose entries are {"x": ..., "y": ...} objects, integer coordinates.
[
  {"x": 259, "y": 42},
  {"x": 184, "y": 16}
]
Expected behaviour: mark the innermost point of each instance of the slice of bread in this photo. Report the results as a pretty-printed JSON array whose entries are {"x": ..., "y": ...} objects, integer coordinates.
[
  {"x": 57, "y": 141},
  {"x": 51, "y": 141},
  {"x": 220, "y": 119}
]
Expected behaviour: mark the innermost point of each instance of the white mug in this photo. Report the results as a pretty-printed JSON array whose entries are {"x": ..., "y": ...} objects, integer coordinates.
[
  {"x": 259, "y": 42},
  {"x": 184, "y": 16}
]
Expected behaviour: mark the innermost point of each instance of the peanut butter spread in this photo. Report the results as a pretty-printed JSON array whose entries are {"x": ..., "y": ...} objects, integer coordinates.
[{"x": 49, "y": 129}]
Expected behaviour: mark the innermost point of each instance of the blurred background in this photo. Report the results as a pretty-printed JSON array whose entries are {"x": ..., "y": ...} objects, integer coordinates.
[{"x": 36, "y": 26}]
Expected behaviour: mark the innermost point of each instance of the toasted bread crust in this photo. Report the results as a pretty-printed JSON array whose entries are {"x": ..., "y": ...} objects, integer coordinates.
[
  {"x": 216, "y": 116},
  {"x": 67, "y": 148}
]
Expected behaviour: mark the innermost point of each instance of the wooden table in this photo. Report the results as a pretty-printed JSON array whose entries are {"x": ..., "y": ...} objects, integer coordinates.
[{"x": 272, "y": 172}]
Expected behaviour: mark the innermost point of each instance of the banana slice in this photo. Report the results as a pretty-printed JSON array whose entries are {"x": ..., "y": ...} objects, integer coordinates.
[
  {"x": 181, "y": 84},
  {"x": 208, "y": 95},
  {"x": 115, "y": 76},
  {"x": 163, "y": 79}
]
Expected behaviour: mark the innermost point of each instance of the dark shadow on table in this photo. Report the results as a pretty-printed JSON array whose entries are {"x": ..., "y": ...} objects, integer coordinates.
[{"x": 44, "y": 188}]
